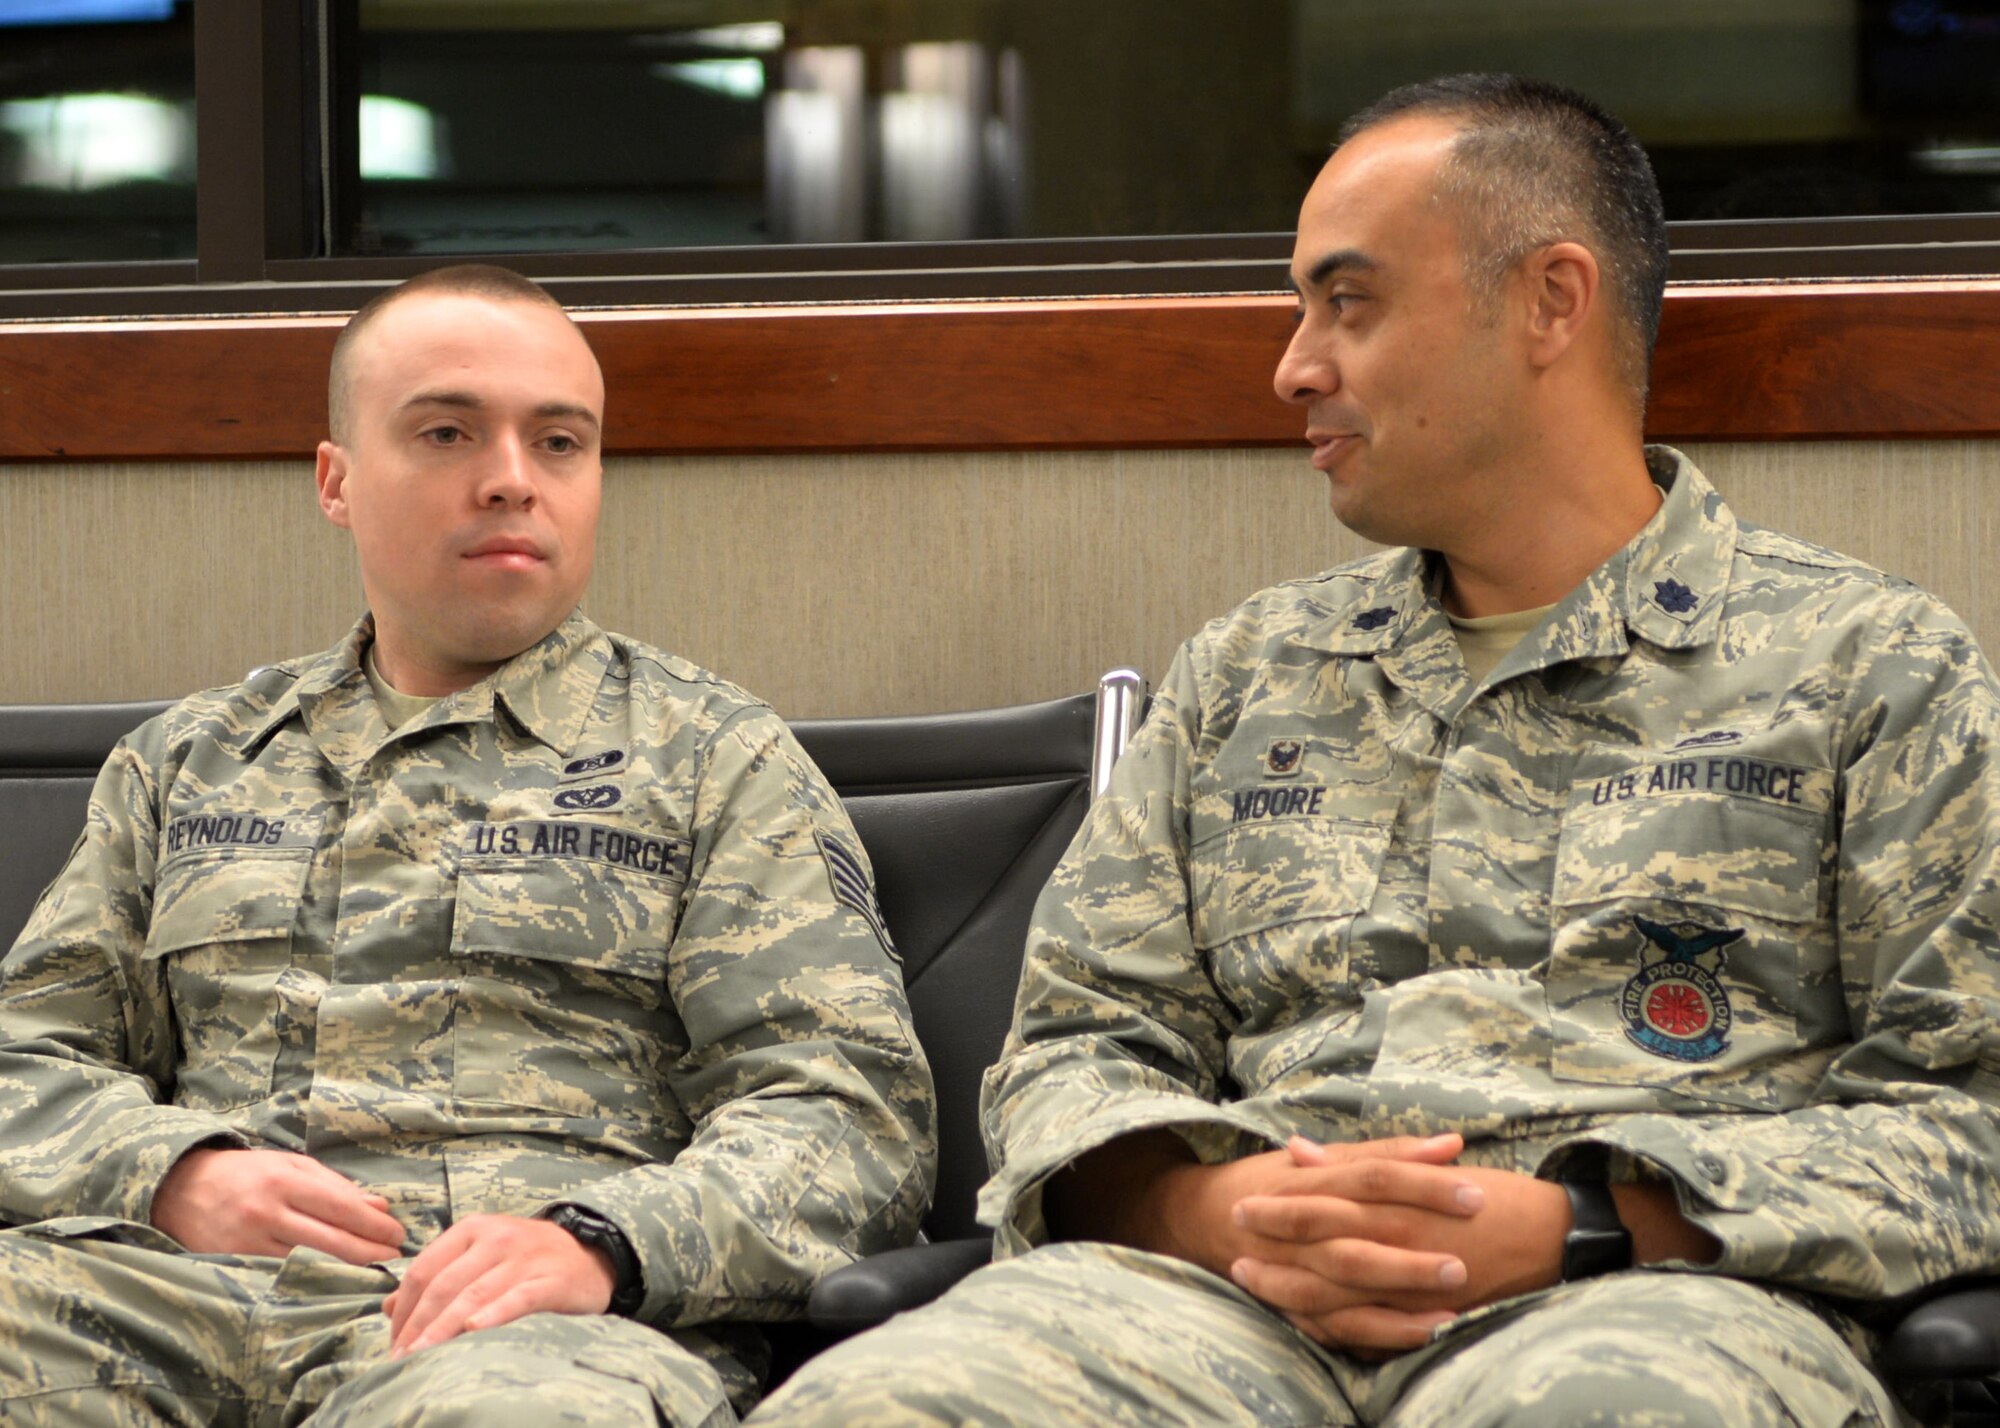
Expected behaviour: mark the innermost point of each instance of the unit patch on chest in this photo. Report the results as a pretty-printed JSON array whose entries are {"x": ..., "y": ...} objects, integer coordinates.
[{"x": 1674, "y": 1005}]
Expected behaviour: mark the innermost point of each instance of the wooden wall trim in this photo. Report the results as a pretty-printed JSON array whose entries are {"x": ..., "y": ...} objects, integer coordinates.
[{"x": 1915, "y": 359}]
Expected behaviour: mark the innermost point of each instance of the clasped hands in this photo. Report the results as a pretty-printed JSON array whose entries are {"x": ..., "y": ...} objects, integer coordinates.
[
  {"x": 1366, "y": 1247},
  {"x": 1371, "y": 1246},
  {"x": 484, "y": 1271}
]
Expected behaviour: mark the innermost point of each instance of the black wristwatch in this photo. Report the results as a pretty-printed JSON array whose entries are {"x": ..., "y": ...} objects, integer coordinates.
[
  {"x": 1598, "y": 1242},
  {"x": 591, "y": 1228}
]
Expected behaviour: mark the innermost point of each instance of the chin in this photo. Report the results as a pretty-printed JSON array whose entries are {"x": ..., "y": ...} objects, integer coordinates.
[
  {"x": 1353, "y": 512},
  {"x": 500, "y": 640}
]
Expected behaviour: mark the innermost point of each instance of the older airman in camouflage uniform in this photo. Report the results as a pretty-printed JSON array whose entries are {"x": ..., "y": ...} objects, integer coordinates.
[
  {"x": 1689, "y": 899},
  {"x": 590, "y": 932}
]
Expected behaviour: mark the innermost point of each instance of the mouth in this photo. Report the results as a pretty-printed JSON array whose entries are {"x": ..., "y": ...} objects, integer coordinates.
[
  {"x": 506, "y": 553},
  {"x": 1329, "y": 446}
]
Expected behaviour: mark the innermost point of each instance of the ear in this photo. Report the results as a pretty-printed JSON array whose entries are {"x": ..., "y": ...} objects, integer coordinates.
[
  {"x": 330, "y": 475},
  {"x": 1562, "y": 287}
]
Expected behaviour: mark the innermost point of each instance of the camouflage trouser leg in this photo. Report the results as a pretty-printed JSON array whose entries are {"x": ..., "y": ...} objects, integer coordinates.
[
  {"x": 1085, "y": 1334},
  {"x": 1638, "y": 1350},
  {"x": 100, "y": 1331},
  {"x": 122, "y": 1329},
  {"x": 1077, "y": 1334},
  {"x": 544, "y": 1371}
]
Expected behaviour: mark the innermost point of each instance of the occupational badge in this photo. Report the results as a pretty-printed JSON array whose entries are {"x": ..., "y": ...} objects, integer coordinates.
[
  {"x": 604, "y": 795},
  {"x": 595, "y": 763},
  {"x": 1284, "y": 758}
]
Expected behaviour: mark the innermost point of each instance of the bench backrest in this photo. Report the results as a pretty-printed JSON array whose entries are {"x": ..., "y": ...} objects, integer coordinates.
[{"x": 49, "y": 758}]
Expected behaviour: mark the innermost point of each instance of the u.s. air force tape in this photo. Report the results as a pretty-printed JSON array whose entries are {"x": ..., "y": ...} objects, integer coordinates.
[
  {"x": 850, "y": 884},
  {"x": 576, "y": 839}
]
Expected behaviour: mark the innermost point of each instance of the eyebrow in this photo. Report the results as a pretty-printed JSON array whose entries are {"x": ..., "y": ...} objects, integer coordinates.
[
  {"x": 469, "y": 401},
  {"x": 1344, "y": 260}
]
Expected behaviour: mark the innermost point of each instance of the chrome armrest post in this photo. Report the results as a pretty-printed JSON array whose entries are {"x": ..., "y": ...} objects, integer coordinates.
[{"x": 1121, "y": 701}]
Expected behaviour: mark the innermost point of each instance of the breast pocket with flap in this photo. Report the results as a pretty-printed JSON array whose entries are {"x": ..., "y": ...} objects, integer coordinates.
[
  {"x": 1691, "y": 944},
  {"x": 222, "y": 929},
  {"x": 1272, "y": 905},
  {"x": 562, "y": 1003}
]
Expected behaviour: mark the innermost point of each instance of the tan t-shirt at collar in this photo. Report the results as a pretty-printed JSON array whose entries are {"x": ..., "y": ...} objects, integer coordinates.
[
  {"x": 1485, "y": 640},
  {"x": 398, "y": 708}
]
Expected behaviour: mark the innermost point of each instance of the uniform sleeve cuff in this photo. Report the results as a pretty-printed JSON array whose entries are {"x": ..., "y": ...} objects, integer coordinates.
[
  {"x": 1012, "y": 1199},
  {"x": 124, "y": 1181},
  {"x": 1718, "y": 1186}
]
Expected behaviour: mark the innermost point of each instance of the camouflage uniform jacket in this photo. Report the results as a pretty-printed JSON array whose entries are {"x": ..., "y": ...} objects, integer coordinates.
[
  {"x": 593, "y": 930},
  {"x": 1700, "y": 883}
]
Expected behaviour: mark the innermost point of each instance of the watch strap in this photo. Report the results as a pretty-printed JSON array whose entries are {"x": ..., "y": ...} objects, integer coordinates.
[
  {"x": 1597, "y": 1242},
  {"x": 628, "y": 1290}
]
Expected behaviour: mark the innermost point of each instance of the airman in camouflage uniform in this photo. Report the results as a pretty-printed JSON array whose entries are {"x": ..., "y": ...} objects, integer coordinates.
[
  {"x": 589, "y": 932},
  {"x": 1692, "y": 898}
]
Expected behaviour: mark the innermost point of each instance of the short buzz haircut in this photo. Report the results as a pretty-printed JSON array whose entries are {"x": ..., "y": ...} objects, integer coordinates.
[
  {"x": 1535, "y": 164},
  {"x": 483, "y": 280}
]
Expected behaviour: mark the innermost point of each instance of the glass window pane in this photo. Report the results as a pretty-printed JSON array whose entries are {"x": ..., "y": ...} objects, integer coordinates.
[
  {"x": 523, "y": 125},
  {"x": 96, "y": 130}
]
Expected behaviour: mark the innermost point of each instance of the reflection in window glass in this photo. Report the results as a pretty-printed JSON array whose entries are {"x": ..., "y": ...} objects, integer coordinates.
[
  {"x": 512, "y": 125},
  {"x": 96, "y": 131}
]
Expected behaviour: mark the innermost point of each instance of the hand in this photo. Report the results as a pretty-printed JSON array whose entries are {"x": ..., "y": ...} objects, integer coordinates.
[
  {"x": 1316, "y": 1250},
  {"x": 1149, "y": 1192},
  {"x": 1515, "y": 1247},
  {"x": 490, "y": 1270},
  {"x": 268, "y": 1202}
]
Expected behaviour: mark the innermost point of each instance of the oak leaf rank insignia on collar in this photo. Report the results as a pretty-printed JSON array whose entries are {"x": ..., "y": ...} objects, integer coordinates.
[{"x": 1673, "y": 597}]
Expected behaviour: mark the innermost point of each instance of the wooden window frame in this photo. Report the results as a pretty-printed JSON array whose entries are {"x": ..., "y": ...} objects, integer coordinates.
[
  {"x": 886, "y": 347},
  {"x": 1910, "y": 359}
]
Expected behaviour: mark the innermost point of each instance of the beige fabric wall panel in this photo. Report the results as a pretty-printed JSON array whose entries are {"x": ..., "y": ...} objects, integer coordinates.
[
  {"x": 846, "y": 585},
  {"x": 145, "y": 581}
]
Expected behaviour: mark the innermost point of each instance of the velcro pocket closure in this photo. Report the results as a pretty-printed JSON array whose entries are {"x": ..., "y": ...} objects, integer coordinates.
[
  {"x": 224, "y": 895},
  {"x": 1266, "y": 874},
  {"x": 592, "y": 913},
  {"x": 1725, "y": 828}
]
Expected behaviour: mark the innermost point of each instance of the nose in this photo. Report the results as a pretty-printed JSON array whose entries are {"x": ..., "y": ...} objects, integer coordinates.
[
  {"x": 1305, "y": 373},
  {"x": 507, "y": 478}
]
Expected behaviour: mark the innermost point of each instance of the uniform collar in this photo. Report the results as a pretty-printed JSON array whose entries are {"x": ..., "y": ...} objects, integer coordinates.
[
  {"x": 547, "y": 690},
  {"x": 1396, "y": 620},
  {"x": 550, "y": 688},
  {"x": 1676, "y": 570},
  {"x": 1393, "y": 610},
  {"x": 1665, "y": 586}
]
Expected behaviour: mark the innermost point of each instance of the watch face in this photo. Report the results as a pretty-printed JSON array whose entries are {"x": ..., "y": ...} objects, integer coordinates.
[
  {"x": 1598, "y": 1242},
  {"x": 1587, "y": 1253}
]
